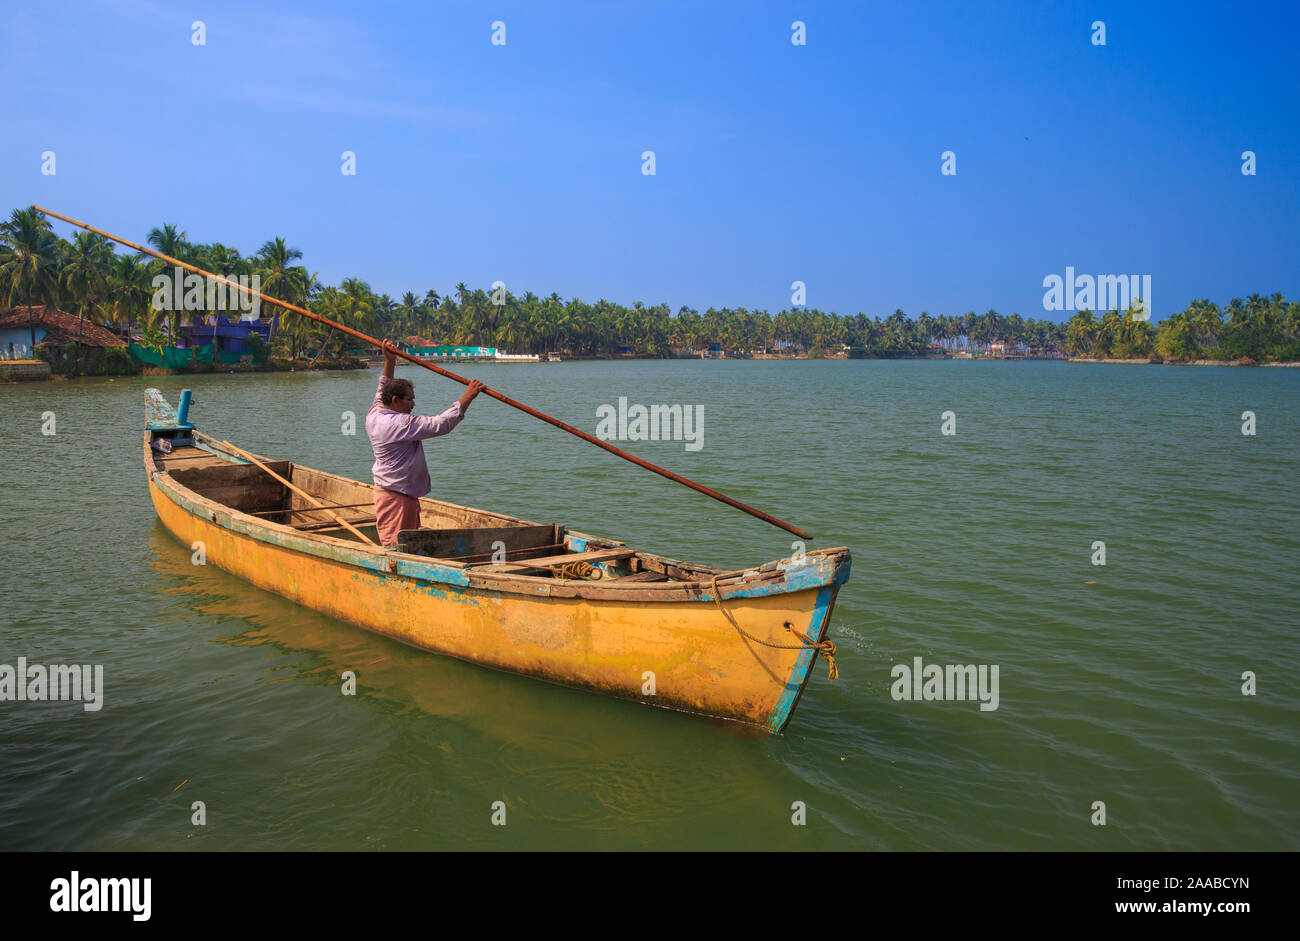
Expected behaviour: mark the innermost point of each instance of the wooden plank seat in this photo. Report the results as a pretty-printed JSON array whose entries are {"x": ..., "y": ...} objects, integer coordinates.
[
  {"x": 478, "y": 542},
  {"x": 320, "y": 526},
  {"x": 642, "y": 577},
  {"x": 300, "y": 510},
  {"x": 555, "y": 561},
  {"x": 186, "y": 457}
]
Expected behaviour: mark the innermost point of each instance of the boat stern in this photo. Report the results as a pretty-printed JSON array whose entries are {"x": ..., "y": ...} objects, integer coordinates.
[{"x": 167, "y": 427}]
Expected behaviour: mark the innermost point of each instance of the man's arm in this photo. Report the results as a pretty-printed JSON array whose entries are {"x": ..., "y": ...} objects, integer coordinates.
[
  {"x": 431, "y": 426},
  {"x": 420, "y": 427},
  {"x": 390, "y": 361}
]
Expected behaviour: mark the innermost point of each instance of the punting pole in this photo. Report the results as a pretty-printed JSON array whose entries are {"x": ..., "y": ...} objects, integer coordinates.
[{"x": 303, "y": 312}]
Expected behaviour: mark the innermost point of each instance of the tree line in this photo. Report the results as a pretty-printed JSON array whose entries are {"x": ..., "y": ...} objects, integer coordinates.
[
  {"x": 1264, "y": 329},
  {"x": 87, "y": 277}
]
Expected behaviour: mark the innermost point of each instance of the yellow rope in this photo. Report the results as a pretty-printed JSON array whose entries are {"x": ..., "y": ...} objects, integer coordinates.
[
  {"x": 575, "y": 570},
  {"x": 827, "y": 647}
]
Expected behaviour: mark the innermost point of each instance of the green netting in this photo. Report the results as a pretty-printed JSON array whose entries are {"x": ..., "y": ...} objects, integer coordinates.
[
  {"x": 170, "y": 357},
  {"x": 175, "y": 358},
  {"x": 205, "y": 355}
]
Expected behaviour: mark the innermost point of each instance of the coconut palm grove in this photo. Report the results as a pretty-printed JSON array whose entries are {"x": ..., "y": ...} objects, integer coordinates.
[{"x": 88, "y": 278}]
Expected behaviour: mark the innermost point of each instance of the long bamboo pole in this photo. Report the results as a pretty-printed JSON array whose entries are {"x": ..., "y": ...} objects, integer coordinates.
[
  {"x": 303, "y": 312},
  {"x": 298, "y": 490}
]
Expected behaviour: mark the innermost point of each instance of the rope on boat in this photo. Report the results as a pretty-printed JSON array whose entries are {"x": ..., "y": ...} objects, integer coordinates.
[
  {"x": 827, "y": 647},
  {"x": 576, "y": 570}
]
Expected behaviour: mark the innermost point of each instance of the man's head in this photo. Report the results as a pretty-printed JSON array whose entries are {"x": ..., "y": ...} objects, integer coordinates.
[{"x": 399, "y": 395}]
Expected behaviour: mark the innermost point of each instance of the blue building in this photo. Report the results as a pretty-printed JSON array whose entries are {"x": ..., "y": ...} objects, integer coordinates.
[{"x": 231, "y": 336}]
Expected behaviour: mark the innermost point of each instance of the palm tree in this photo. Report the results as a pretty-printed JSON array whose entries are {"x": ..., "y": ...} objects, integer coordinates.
[
  {"x": 383, "y": 313},
  {"x": 625, "y": 324},
  {"x": 1207, "y": 322},
  {"x": 356, "y": 307},
  {"x": 169, "y": 241},
  {"x": 511, "y": 332},
  {"x": 491, "y": 314},
  {"x": 1176, "y": 339},
  {"x": 408, "y": 311},
  {"x": 300, "y": 328},
  {"x": 279, "y": 275},
  {"x": 925, "y": 327},
  {"x": 281, "y": 278},
  {"x": 129, "y": 291},
  {"x": 29, "y": 264},
  {"x": 1081, "y": 334},
  {"x": 85, "y": 273},
  {"x": 431, "y": 304},
  {"x": 221, "y": 259}
]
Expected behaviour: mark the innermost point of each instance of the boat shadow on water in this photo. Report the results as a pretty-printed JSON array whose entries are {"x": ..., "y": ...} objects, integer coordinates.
[{"x": 404, "y": 679}]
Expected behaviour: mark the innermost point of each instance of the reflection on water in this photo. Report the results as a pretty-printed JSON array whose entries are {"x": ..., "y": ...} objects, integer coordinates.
[{"x": 402, "y": 677}]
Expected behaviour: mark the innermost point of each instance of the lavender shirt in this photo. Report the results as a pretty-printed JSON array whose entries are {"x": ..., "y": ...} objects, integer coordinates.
[{"x": 398, "y": 441}]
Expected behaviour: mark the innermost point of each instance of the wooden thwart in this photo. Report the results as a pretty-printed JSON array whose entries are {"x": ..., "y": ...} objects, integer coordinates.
[
  {"x": 475, "y": 541},
  {"x": 324, "y": 526},
  {"x": 302, "y": 493},
  {"x": 555, "y": 561},
  {"x": 536, "y": 551},
  {"x": 316, "y": 509},
  {"x": 169, "y": 459}
]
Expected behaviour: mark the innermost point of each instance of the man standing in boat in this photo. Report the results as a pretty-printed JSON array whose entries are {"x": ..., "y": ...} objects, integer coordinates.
[{"x": 401, "y": 472}]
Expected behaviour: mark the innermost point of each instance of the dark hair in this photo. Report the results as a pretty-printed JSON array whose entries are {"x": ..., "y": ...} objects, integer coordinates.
[{"x": 396, "y": 389}]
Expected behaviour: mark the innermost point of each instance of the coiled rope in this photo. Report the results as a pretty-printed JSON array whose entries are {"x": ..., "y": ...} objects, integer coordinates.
[
  {"x": 577, "y": 570},
  {"x": 827, "y": 647}
]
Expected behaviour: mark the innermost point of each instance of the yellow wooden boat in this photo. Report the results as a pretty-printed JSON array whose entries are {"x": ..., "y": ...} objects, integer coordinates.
[{"x": 536, "y": 599}]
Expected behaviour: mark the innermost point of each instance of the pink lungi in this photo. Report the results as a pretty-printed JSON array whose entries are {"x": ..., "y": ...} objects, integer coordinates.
[{"x": 394, "y": 512}]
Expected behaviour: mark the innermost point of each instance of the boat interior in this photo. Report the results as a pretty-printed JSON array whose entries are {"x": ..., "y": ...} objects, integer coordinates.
[{"x": 484, "y": 542}]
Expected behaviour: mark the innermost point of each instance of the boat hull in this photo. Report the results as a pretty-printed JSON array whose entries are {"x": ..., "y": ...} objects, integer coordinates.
[{"x": 676, "y": 654}]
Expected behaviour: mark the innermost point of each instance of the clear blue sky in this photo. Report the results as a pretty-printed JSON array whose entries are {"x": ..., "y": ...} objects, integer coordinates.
[{"x": 775, "y": 162}]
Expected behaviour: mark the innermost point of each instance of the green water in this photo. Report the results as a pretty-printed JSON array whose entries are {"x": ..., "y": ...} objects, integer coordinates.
[{"x": 971, "y": 548}]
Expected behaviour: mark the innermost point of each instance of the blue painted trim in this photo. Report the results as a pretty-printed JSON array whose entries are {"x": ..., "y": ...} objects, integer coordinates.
[{"x": 803, "y": 663}]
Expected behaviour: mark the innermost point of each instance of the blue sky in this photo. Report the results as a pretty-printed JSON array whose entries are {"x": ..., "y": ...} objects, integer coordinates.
[{"x": 774, "y": 162}]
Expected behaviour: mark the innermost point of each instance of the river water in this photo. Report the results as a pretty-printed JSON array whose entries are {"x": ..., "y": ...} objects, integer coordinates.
[{"x": 1120, "y": 684}]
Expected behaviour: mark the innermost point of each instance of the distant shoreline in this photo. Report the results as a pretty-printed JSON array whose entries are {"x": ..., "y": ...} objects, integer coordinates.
[
  {"x": 10, "y": 375},
  {"x": 1156, "y": 361}
]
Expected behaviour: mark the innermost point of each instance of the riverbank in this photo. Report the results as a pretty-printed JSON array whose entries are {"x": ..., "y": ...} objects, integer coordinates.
[
  {"x": 199, "y": 369},
  {"x": 11, "y": 372},
  {"x": 24, "y": 370},
  {"x": 1157, "y": 361}
]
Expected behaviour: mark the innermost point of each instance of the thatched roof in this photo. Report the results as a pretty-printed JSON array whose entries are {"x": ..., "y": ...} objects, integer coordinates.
[
  {"x": 418, "y": 341},
  {"x": 61, "y": 327}
]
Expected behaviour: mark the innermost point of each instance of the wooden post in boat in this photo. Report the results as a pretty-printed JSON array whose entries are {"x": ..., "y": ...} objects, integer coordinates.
[
  {"x": 298, "y": 490},
  {"x": 302, "y": 311}
]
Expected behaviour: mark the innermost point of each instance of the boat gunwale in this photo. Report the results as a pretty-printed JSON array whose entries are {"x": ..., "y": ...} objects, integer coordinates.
[{"x": 822, "y": 567}]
